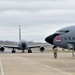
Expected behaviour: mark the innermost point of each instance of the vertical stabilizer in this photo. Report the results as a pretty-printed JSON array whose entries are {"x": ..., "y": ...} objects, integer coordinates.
[{"x": 19, "y": 33}]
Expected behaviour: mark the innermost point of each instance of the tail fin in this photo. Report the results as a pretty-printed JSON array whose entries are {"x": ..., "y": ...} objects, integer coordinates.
[{"x": 19, "y": 33}]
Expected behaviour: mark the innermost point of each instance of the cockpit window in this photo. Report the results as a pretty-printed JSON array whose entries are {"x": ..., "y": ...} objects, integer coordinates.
[
  {"x": 62, "y": 31},
  {"x": 66, "y": 31}
]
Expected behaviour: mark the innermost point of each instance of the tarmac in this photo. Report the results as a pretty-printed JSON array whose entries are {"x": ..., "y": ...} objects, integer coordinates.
[{"x": 37, "y": 63}]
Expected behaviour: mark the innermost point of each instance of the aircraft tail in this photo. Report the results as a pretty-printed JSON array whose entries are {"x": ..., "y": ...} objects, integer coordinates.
[{"x": 19, "y": 33}]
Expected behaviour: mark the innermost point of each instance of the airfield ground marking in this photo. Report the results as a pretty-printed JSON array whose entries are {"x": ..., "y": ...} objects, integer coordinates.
[
  {"x": 1, "y": 66},
  {"x": 47, "y": 66}
]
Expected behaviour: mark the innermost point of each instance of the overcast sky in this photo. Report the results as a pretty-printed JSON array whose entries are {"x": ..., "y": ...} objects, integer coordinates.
[{"x": 38, "y": 18}]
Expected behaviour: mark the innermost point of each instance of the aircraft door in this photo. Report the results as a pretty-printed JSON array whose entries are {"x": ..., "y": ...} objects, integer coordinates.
[{"x": 70, "y": 46}]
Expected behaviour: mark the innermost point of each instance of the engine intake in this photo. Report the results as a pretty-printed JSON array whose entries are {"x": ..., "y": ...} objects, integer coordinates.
[
  {"x": 2, "y": 49},
  {"x": 42, "y": 49}
]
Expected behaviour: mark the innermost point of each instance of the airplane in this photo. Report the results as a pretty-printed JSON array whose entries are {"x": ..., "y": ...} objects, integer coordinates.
[
  {"x": 22, "y": 45},
  {"x": 64, "y": 38}
]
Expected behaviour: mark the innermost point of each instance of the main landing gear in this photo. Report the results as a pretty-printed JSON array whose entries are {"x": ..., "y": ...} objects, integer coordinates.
[
  {"x": 23, "y": 51},
  {"x": 29, "y": 51},
  {"x": 13, "y": 51}
]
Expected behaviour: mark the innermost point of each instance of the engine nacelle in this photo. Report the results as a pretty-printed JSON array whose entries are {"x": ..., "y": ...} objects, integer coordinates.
[
  {"x": 42, "y": 49},
  {"x": 2, "y": 49}
]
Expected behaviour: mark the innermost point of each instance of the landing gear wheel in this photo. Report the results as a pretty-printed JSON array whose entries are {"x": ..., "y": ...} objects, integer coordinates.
[
  {"x": 54, "y": 47},
  {"x": 13, "y": 51},
  {"x": 22, "y": 51},
  {"x": 29, "y": 51}
]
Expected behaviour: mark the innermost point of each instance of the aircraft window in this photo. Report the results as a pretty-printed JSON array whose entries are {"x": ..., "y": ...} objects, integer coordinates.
[
  {"x": 73, "y": 38},
  {"x": 66, "y": 31},
  {"x": 69, "y": 38},
  {"x": 65, "y": 38},
  {"x": 62, "y": 31}
]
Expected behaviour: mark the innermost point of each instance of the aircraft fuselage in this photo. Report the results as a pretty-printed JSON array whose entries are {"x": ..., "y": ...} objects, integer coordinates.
[{"x": 64, "y": 38}]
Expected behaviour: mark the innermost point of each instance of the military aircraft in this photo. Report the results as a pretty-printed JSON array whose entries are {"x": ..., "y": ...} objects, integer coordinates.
[
  {"x": 22, "y": 45},
  {"x": 64, "y": 38}
]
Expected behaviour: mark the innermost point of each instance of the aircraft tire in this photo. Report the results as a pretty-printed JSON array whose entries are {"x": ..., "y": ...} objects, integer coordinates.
[
  {"x": 22, "y": 51},
  {"x": 13, "y": 51},
  {"x": 29, "y": 51}
]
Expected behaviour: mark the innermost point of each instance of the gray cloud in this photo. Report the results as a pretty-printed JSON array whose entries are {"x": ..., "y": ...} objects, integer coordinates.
[
  {"x": 32, "y": 5},
  {"x": 38, "y": 18}
]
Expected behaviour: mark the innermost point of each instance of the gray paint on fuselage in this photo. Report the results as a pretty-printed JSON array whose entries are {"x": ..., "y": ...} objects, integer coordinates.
[
  {"x": 22, "y": 45},
  {"x": 66, "y": 38}
]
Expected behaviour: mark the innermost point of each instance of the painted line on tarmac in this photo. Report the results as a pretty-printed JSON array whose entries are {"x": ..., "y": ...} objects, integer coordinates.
[
  {"x": 51, "y": 67},
  {"x": 48, "y": 66},
  {"x": 54, "y": 69},
  {"x": 1, "y": 66}
]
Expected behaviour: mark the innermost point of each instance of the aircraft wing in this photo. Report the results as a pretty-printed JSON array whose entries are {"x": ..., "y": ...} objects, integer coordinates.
[
  {"x": 41, "y": 47},
  {"x": 37, "y": 46},
  {"x": 11, "y": 47},
  {"x": 34, "y": 46}
]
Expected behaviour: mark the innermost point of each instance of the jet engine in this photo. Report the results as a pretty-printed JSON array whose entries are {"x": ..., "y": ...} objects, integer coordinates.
[
  {"x": 42, "y": 49},
  {"x": 1, "y": 49}
]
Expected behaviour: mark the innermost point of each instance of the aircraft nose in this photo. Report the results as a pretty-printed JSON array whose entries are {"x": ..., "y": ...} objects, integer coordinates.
[
  {"x": 23, "y": 45},
  {"x": 49, "y": 39}
]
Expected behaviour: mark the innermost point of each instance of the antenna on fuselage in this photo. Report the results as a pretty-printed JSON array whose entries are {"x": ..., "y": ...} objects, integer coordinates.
[{"x": 19, "y": 33}]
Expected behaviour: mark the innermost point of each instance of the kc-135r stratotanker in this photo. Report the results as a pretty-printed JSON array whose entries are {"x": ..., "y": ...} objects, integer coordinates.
[
  {"x": 64, "y": 38},
  {"x": 22, "y": 45}
]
